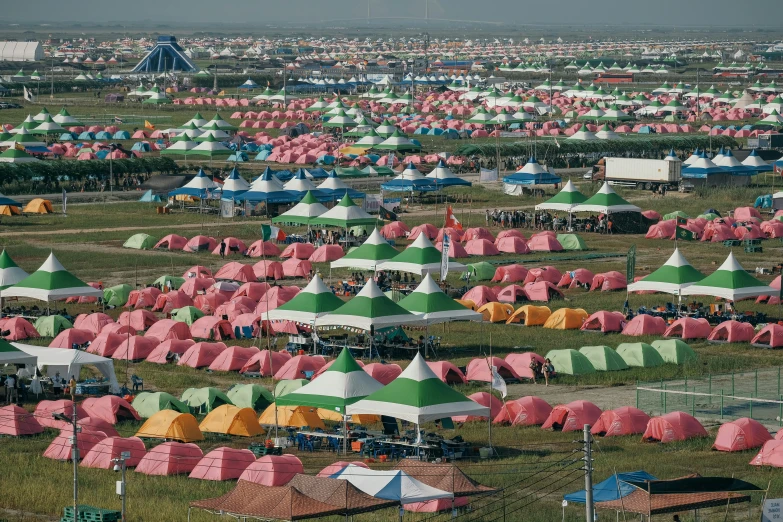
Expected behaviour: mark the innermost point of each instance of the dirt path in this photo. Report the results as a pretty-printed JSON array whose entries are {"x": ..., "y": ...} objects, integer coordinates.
[
  {"x": 123, "y": 229},
  {"x": 605, "y": 397}
]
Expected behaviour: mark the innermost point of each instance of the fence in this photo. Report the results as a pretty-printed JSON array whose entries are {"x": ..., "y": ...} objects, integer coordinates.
[{"x": 756, "y": 394}]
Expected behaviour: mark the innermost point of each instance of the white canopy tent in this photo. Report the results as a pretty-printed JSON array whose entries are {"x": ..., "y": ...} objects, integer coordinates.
[
  {"x": 390, "y": 484},
  {"x": 69, "y": 362}
]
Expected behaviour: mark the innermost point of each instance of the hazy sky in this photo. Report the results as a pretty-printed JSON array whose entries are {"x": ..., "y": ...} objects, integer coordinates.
[{"x": 662, "y": 12}]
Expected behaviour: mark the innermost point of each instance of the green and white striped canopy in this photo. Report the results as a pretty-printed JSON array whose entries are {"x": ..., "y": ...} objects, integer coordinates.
[
  {"x": 730, "y": 281},
  {"x": 371, "y": 308},
  {"x": 373, "y": 251},
  {"x": 419, "y": 258},
  {"x": 675, "y": 274},
  {"x": 10, "y": 273},
  {"x": 568, "y": 197},
  {"x": 51, "y": 282},
  {"x": 303, "y": 213},
  {"x": 606, "y": 200},
  {"x": 345, "y": 215},
  {"x": 418, "y": 396},
  {"x": 314, "y": 301},
  {"x": 343, "y": 383},
  {"x": 430, "y": 302}
]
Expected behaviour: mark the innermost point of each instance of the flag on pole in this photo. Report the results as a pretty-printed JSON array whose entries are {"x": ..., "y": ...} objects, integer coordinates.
[
  {"x": 65, "y": 201},
  {"x": 148, "y": 125},
  {"x": 117, "y": 119},
  {"x": 269, "y": 232},
  {"x": 684, "y": 234},
  {"x": 630, "y": 265},
  {"x": 451, "y": 219},
  {"x": 386, "y": 214},
  {"x": 444, "y": 257},
  {"x": 681, "y": 221},
  {"x": 498, "y": 383},
  {"x": 28, "y": 95}
]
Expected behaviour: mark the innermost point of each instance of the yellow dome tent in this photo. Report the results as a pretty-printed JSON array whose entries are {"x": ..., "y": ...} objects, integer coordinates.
[
  {"x": 9, "y": 210},
  {"x": 530, "y": 315},
  {"x": 231, "y": 420},
  {"x": 39, "y": 206},
  {"x": 170, "y": 424},
  {"x": 294, "y": 416},
  {"x": 467, "y": 303},
  {"x": 566, "y": 319},
  {"x": 496, "y": 312}
]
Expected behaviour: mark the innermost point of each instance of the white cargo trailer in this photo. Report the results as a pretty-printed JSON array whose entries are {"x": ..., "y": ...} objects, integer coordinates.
[{"x": 646, "y": 174}]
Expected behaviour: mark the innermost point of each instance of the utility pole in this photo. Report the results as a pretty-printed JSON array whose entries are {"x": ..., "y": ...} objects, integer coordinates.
[
  {"x": 74, "y": 447},
  {"x": 120, "y": 465},
  {"x": 588, "y": 458}
]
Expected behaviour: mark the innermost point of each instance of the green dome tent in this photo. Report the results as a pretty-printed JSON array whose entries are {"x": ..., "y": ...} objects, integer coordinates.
[
  {"x": 481, "y": 271},
  {"x": 148, "y": 404},
  {"x": 603, "y": 358},
  {"x": 571, "y": 242},
  {"x": 140, "y": 242},
  {"x": 187, "y": 314},
  {"x": 287, "y": 386},
  {"x": 204, "y": 400},
  {"x": 570, "y": 362},
  {"x": 117, "y": 295},
  {"x": 674, "y": 351},
  {"x": 52, "y": 325},
  {"x": 674, "y": 215},
  {"x": 640, "y": 354},
  {"x": 252, "y": 396},
  {"x": 166, "y": 280}
]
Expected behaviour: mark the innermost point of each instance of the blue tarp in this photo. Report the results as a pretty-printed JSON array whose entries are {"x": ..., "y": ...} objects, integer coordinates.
[
  {"x": 609, "y": 488},
  {"x": 764, "y": 201},
  {"x": 149, "y": 197}
]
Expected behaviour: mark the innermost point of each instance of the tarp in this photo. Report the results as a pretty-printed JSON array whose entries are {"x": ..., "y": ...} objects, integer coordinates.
[
  {"x": 393, "y": 485},
  {"x": 613, "y": 488}
]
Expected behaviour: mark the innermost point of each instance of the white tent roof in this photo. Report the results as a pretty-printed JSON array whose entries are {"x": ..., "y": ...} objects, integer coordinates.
[
  {"x": 390, "y": 485},
  {"x": 69, "y": 362}
]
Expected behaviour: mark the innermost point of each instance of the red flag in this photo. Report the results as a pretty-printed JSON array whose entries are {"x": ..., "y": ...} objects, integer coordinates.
[{"x": 451, "y": 219}]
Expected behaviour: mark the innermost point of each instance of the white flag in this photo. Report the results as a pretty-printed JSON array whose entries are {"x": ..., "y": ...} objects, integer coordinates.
[
  {"x": 28, "y": 95},
  {"x": 498, "y": 383},
  {"x": 444, "y": 257},
  {"x": 65, "y": 201}
]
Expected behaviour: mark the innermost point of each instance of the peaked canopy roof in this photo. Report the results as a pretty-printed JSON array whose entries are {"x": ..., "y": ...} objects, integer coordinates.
[
  {"x": 51, "y": 282},
  {"x": 343, "y": 383},
  {"x": 418, "y": 396},
  {"x": 675, "y": 274},
  {"x": 346, "y": 214},
  {"x": 304, "y": 212},
  {"x": 730, "y": 281},
  {"x": 10, "y": 273},
  {"x": 430, "y": 302},
  {"x": 568, "y": 197},
  {"x": 390, "y": 484},
  {"x": 373, "y": 251},
  {"x": 420, "y": 257},
  {"x": 371, "y": 308},
  {"x": 606, "y": 200},
  {"x": 315, "y": 300}
]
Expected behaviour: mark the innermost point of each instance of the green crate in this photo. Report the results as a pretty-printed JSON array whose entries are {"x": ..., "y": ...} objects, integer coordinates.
[{"x": 92, "y": 514}]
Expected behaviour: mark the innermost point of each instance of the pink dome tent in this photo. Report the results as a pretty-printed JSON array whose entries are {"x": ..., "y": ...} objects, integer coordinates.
[
  {"x": 212, "y": 328},
  {"x": 263, "y": 248},
  {"x": 472, "y": 234},
  {"x": 15, "y": 421},
  {"x": 298, "y": 251},
  {"x": 166, "y": 329},
  {"x": 70, "y": 337},
  {"x": 233, "y": 358},
  {"x": 662, "y": 230},
  {"x": 520, "y": 363},
  {"x": 325, "y": 254},
  {"x": 105, "y": 344},
  {"x": 447, "y": 372},
  {"x": 137, "y": 320},
  {"x": 689, "y": 328},
  {"x": 732, "y": 332},
  {"x": 771, "y": 336},
  {"x": 235, "y": 271},
  {"x": 740, "y": 435},
  {"x": 574, "y": 278},
  {"x": 542, "y": 291},
  {"x": 480, "y": 295},
  {"x": 673, "y": 426},
  {"x": 254, "y": 291},
  {"x": 625, "y": 420},
  {"x": 299, "y": 268},
  {"x": 110, "y": 408},
  {"x": 144, "y": 298},
  {"x": 383, "y": 373},
  {"x": 60, "y": 447},
  {"x": 545, "y": 273},
  {"x": 166, "y": 303},
  {"x": 485, "y": 399},
  {"x": 101, "y": 455},
  {"x": 201, "y": 354},
  {"x": 525, "y": 411},
  {"x": 265, "y": 365},
  {"x": 479, "y": 369},
  {"x": 544, "y": 243},
  {"x": 456, "y": 251},
  {"x": 296, "y": 367},
  {"x": 45, "y": 409},
  {"x": 608, "y": 282},
  {"x": 394, "y": 230},
  {"x": 223, "y": 464},
  {"x": 268, "y": 269},
  {"x": 771, "y": 454},
  {"x": 172, "y": 242},
  {"x": 169, "y": 350},
  {"x": 512, "y": 245},
  {"x": 644, "y": 324},
  {"x": 572, "y": 416},
  {"x": 233, "y": 245},
  {"x": 481, "y": 247},
  {"x": 135, "y": 348},
  {"x": 93, "y": 322},
  {"x": 200, "y": 244},
  {"x": 19, "y": 329},
  {"x": 430, "y": 231},
  {"x": 510, "y": 274},
  {"x": 604, "y": 322},
  {"x": 273, "y": 470}
]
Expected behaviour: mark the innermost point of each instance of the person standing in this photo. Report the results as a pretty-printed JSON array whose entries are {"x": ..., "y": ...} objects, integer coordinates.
[
  {"x": 10, "y": 388},
  {"x": 223, "y": 249},
  {"x": 57, "y": 384}
]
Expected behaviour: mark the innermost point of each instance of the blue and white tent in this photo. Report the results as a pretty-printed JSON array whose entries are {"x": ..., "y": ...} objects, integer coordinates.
[
  {"x": 390, "y": 485},
  {"x": 234, "y": 185},
  {"x": 411, "y": 180},
  {"x": 533, "y": 173},
  {"x": 613, "y": 488},
  {"x": 336, "y": 188},
  {"x": 701, "y": 168},
  {"x": 249, "y": 85},
  {"x": 149, "y": 197},
  {"x": 443, "y": 177},
  {"x": 200, "y": 186}
]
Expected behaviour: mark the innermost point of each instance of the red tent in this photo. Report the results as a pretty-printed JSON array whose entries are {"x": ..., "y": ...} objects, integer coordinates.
[
  {"x": 335, "y": 467},
  {"x": 231, "y": 310},
  {"x": 105, "y": 344},
  {"x": 430, "y": 231},
  {"x": 273, "y": 470},
  {"x": 266, "y": 269},
  {"x": 197, "y": 271},
  {"x": 771, "y": 336},
  {"x": 60, "y": 448},
  {"x": 740, "y": 435},
  {"x": 254, "y": 291},
  {"x": 746, "y": 213},
  {"x": 233, "y": 359},
  {"x": 732, "y": 332},
  {"x": 481, "y": 247},
  {"x": 296, "y": 367},
  {"x": 276, "y": 296},
  {"x": 170, "y": 458},
  {"x": 208, "y": 303},
  {"x": 544, "y": 273},
  {"x": 717, "y": 231},
  {"x": 262, "y": 248},
  {"x": 170, "y": 301},
  {"x": 525, "y": 411},
  {"x": 472, "y": 234},
  {"x": 109, "y": 408},
  {"x": 137, "y": 320},
  {"x": 93, "y": 322},
  {"x": 604, "y": 322},
  {"x": 118, "y": 329},
  {"x": 297, "y": 268},
  {"x": 511, "y": 293},
  {"x": 235, "y": 271},
  {"x": 771, "y": 454},
  {"x": 101, "y": 455},
  {"x": 662, "y": 229},
  {"x": 676, "y": 425},
  {"x": 510, "y": 233},
  {"x": 325, "y": 254},
  {"x": 223, "y": 464},
  {"x": 172, "y": 242},
  {"x": 167, "y": 349},
  {"x": 383, "y": 373},
  {"x": 96, "y": 424},
  {"x": 485, "y": 399},
  {"x": 579, "y": 277},
  {"x": 512, "y": 245},
  {"x": 572, "y": 416},
  {"x": 72, "y": 336},
  {"x": 542, "y": 291},
  {"x": 480, "y": 295},
  {"x": 608, "y": 281},
  {"x": 298, "y": 251},
  {"x": 18, "y": 329},
  {"x": 326, "y": 366},
  {"x": 211, "y": 328},
  {"x": 625, "y": 420},
  {"x": 394, "y": 230},
  {"x": 749, "y": 231},
  {"x": 200, "y": 244},
  {"x": 479, "y": 369},
  {"x": 232, "y": 245},
  {"x": 644, "y": 324},
  {"x": 439, "y": 504},
  {"x": 510, "y": 274},
  {"x": 448, "y": 372},
  {"x": 772, "y": 229},
  {"x": 520, "y": 363},
  {"x": 689, "y": 328},
  {"x": 456, "y": 251},
  {"x": 453, "y": 233},
  {"x": 144, "y": 298},
  {"x": 16, "y": 421},
  {"x": 652, "y": 215},
  {"x": 166, "y": 329},
  {"x": 196, "y": 285},
  {"x": 135, "y": 348},
  {"x": 544, "y": 243},
  {"x": 45, "y": 409},
  {"x": 262, "y": 364},
  {"x": 201, "y": 354}
]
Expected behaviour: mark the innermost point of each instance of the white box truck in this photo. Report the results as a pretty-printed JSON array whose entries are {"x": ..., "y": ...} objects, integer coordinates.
[{"x": 644, "y": 174}]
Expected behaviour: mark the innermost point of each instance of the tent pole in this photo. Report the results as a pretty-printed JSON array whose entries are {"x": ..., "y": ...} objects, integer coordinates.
[{"x": 345, "y": 433}]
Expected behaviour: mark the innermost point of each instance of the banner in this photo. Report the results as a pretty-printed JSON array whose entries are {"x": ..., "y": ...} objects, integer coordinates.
[
  {"x": 444, "y": 257},
  {"x": 498, "y": 383},
  {"x": 772, "y": 510},
  {"x": 630, "y": 264},
  {"x": 372, "y": 202},
  {"x": 226, "y": 208},
  {"x": 488, "y": 175},
  {"x": 65, "y": 202}
]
